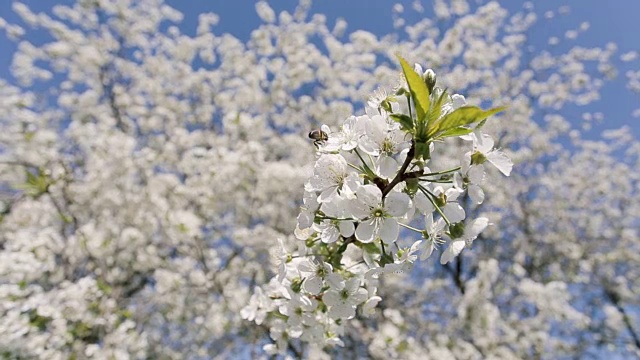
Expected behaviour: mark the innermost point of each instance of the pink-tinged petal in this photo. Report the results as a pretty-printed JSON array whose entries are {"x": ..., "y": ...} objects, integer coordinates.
[
  {"x": 452, "y": 251},
  {"x": 454, "y": 212},
  {"x": 312, "y": 285},
  {"x": 397, "y": 204},
  {"x": 364, "y": 231},
  {"x": 389, "y": 230},
  {"x": 346, "y": 228},
  {"x": 500, "y": 161}
]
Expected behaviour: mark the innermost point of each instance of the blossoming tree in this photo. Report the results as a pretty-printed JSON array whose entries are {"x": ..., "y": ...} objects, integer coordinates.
[{"x": 159, "y": 190}]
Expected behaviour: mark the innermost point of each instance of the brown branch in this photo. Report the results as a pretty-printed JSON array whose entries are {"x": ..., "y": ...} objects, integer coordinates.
[
  {"x": 401, "y": 176},
  {"x": 615, "y": 299},
  {"x": 456, "y": 274}
]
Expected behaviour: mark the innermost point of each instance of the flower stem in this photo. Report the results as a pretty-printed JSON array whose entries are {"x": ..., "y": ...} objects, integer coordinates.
[
  {"x": 443, "y": 171},
  {"x": 430, "y": 196},
  {"x": 410, "y": 227}
]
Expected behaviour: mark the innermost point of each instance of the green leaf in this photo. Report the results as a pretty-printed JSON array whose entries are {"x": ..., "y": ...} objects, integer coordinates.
[
  {"x": 436, "y": 110},
  {"x": 463, "y": 116},
  {"x": 405, "y": 121},
  {"x": 417, "y": 87},
  {"x": 459, "y": 131}
]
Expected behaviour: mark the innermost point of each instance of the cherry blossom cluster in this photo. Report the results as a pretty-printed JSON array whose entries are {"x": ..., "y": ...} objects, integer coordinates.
[{"x": 373, "y": 177}]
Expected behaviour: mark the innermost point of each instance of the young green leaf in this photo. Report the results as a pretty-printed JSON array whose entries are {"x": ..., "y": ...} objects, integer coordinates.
[
  {"x": 462, "y": 116},
  {"x": 417, "y": 87},
  {"x": 459, "y": 131},
  {"x": 405, "y": 121}
]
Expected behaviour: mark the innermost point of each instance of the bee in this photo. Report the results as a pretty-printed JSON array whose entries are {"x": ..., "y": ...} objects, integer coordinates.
[{"x": 319, "y": 136}]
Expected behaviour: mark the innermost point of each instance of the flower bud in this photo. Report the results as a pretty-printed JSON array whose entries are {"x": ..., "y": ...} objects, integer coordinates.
[
  {"x": 430, "y": 79},
  {"x": 296, "y": 285}
]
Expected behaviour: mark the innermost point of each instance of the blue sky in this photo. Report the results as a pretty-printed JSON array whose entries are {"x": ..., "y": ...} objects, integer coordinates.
[{"x": 613, "y": 21}]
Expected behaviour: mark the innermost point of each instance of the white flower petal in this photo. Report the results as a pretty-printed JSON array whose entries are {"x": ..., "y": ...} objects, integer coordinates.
[
  {"x": 328, "y": 194},
  {"x": 370, "y": 195},
  {"x": 452, "y": 193},
  {"x": 358, "y": 210},
  {"x": 422, "y": 203},
  {"x": 359, "y": 297},
  {"x": 335, "y": 281},
  {"x": 476, "y": 194},
  {"x": 389, "y": 230},
  {"x": 458, "y": 100},
  {"x": 331, "y": 298},
  {"x": 342, "y": 311},
  {"x": 312, "y": 285},
  {"x": 305, "y": 219},
  {"x": 387, "y": 166},
  {"x": 471, "y": 231},
  {"x": 364, "y": 231},
  {"x": 369, "y": 306},
  {"x": 397, "y": 204},
  {"x": 483, "y": 142},
  {"x": 454, "y": 249},
  {"x": 500, "y": 161},
  {"x": 454, "y": 212},
  {"x": 427, "y": 249},
  {"x": 330, "y": 235},
  {"x": 476, "y": 174},
  {"x": 346, "y": 228}
]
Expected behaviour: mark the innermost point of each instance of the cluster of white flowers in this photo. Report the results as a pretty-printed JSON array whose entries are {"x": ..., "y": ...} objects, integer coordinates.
[
  {"x": 148, "y": 159},
  {"x": 371, "y": 179}
]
